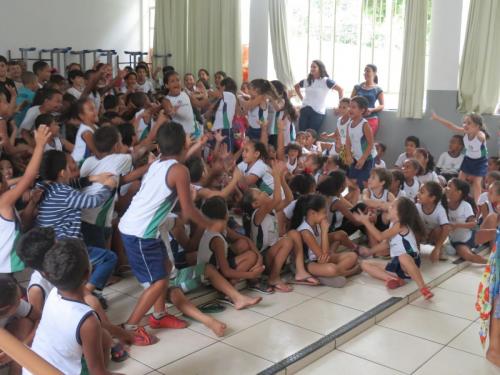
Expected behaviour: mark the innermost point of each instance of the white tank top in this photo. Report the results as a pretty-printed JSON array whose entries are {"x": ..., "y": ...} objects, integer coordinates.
[
  {"x": 358, "y": 140},
  {"x": 256, "y": 115},
  {"x": 10, "y": 232},
  {"x": 474, "y": 148},
  {"x": 266, "y": 234},
  {"x": 316, "y": 232},
  {"x": 57, "y": 338},
  {"x": 274, "y": 118},
  {"x": 151, "y": 204},
  {"x": 81, "y": 150},
  {"x": 204, "y": 251},
  {"x": 403, "y": 244},
  {"x": 292, "y": 167},
  {"x": 342, "y": 129},
  {"x": 382, "y": 198}
]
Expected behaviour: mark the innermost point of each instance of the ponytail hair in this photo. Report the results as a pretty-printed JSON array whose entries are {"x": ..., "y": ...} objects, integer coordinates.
[
  {"x": 477, "y": 119},
  {"x": 260, "y": 148},
  {"x": 373, "y": 67},
  {"x": 247, "y": 210},
  {"x": 305, "y": 203},
  {"x": 430, "y": 159},
  {"x": 264, "y": 87},
  {"x": 322, "y": 71},
  {"x": 288, "y": 108}
]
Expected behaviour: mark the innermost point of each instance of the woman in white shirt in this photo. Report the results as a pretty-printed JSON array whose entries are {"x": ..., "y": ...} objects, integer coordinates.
[{"x": 316, "y": 88}]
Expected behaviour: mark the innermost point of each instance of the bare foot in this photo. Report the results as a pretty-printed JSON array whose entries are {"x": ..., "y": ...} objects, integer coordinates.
[
  {"x": 245, "y": 301},
  {"x": 493, "y": 357},
  {"x": 217, "y": 327}
]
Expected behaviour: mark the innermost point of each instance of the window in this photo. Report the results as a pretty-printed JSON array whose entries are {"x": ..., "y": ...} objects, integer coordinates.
[{"x": 346, "y": 35}]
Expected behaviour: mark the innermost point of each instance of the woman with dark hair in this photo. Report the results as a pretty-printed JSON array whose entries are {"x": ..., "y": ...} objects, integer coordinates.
[
  {"x": 316, "y": 88},
  {"x": 372, "y": 92}
]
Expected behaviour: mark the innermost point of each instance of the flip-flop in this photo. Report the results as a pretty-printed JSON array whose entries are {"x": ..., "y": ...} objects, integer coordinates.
[
  {"x": 305, "y": 281},
  {"x": 334, "y": 282},
  {"x": 212, "y": 307},
  {"x": 394, "y": 283},
  {"x": 282, "y": 288},
  {"x": 261, "y": 287},
  {"x": 426, "y": 293}
]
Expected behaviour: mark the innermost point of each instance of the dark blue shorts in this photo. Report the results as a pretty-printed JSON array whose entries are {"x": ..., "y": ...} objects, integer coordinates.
[
  {"x": 469, "y": 243},
  {"x": 147, "y": 258},
  {"x": 360, "y": 175},
  {"x": 395, "y": 267},
  {"x": 475, "y": 167}
]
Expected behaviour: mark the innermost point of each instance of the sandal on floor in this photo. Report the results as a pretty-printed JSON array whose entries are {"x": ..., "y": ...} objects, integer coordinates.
[
  {"x": 212, "y": 307},
  {"x": 118, "y": 353},
  {"x": 282, "y": 287},
  {"x": 394, "y": 283},
  {"x": 142, "y": 338},
  {"x": 426, "y": 293},
  {"x": 309, "y": 280},
  {"x": 261, "y": 287}
]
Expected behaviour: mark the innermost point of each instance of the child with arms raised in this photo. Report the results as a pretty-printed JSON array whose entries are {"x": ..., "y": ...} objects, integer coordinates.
[
  {"x": 403, "y": 234},
  {"x": 475, "y": 164},
  {"x": 166, "y": 181}
]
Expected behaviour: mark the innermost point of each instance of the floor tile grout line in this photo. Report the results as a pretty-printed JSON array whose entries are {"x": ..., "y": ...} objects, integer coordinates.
[
  {"x": 369, "y": 360},
  {"x": 246, "y": 351},
  {"x": 424, "y": 308}
]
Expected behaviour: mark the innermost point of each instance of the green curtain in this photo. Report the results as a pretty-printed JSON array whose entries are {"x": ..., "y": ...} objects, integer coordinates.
[
  {"x": 200, "y": 34},
  {"x": 170, "y": 32},
  {"x": 411, "y": 90},
  {"x": 479, "y": 69},
  {"x": 214, "y": 36},
  {"x": 279, "y": 42}
]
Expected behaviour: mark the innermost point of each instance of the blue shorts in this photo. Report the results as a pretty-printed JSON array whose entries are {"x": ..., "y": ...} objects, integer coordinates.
[
  {"x": 147, "y": 258},
  {"x": 475, "y": 167},
  {"x": 395, "y": 267},
  {"x": 360, "y": 175},
  {"x": 469, "y": 243}
]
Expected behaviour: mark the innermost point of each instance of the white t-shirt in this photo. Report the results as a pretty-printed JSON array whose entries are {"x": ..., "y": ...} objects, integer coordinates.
[
  {"x": 411, "y": 191},
  {"x": 184, "y": 113},
  {"x": 146, "y": 87},
  {"x": 118, "y": 165},
  {"x": 262, "y": 171},
  {"x": 316, "y": 93},
  {"x": 10, "y": 231},
  {"x": 401, "y": 159},
  {"x": 288, "y": 210},
  {"x": 29, "y": 120},
  {"x": 449, "y": 164},
  {"x": 316, "y": 232},
  {"x": 485, "y": 200},
  {"x": 81, "y": 150},
  {"x": 380, "y": 164},
  {"x": 434, "y": 219},
  {"x": 96, "y": 98},
  {"x": 256, "y": 115},
  {"x": 75, "y": 92},
  {"x": 56, "y": 145},
  {"x": 429, "y": 176},
  {"x": 460, "y": 215},
  {"x": 38, "y": 280},
  {"x": 225, "y": 112},
  {"x": 403, "y": 244}
]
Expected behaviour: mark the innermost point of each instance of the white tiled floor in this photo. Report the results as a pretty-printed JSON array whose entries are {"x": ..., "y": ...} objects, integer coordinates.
[
  {"x": 423, "y": 338},
  {"x": 420, "y": 338}
]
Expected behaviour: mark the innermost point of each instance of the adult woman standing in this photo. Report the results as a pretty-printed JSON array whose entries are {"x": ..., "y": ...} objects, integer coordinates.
[
  {"x": 372, "y": 92},
  {"x": 316, "y": 88}
]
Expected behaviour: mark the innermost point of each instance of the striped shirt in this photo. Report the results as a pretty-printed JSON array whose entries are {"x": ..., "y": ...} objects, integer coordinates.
[{"x": 61, "y": 208}]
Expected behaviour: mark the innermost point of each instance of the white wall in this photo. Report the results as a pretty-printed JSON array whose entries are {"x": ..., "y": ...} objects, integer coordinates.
[
  {"x": 259, "y": 39},
  {"x": 80, "y": 24}
]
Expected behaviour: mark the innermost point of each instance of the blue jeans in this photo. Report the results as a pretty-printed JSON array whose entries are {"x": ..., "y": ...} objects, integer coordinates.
[
  {"x": 103, "y": 263},
  {"x": 310, "y": 119}
]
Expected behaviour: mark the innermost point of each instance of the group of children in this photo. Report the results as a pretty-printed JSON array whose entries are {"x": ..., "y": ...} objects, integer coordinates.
[{"x": 188, "y": 184}]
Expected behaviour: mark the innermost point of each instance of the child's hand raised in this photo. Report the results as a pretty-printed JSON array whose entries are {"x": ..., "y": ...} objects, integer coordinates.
[
  {"x": 362, "y": 217},
  {"x": 42, "y": 135},
  {"x": 434, "y": 116},
  {"x": 218, "y": 136}
]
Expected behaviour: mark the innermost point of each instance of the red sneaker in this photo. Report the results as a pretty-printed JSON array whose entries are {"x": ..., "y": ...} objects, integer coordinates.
[
  {"x": 167, "y": 321},
  {"x": 394, "y": 283},
  {"x": 143, "y": 338}
]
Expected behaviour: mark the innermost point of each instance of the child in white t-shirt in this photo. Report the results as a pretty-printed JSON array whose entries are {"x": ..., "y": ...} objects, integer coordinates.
[
  {"x": 411, "y": 145},
  {"x": 449, "y": 162},
  {"x": 462, "y": 220}
]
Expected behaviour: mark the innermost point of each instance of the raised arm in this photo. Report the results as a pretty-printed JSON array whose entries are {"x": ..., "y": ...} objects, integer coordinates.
[
  {"x": 9, "y": 198},
  {"x": 450, "y": 125}
]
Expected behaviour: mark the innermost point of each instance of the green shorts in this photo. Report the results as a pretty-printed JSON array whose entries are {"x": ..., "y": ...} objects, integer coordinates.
[{"x": 190, "y": 278}]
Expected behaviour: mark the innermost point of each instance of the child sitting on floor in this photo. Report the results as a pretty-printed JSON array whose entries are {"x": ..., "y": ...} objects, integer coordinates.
[{"x": 405, "y": 230}]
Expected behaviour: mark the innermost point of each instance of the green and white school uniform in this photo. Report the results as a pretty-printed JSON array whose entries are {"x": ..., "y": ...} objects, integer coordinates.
[{"x": 10, "y": 231}]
